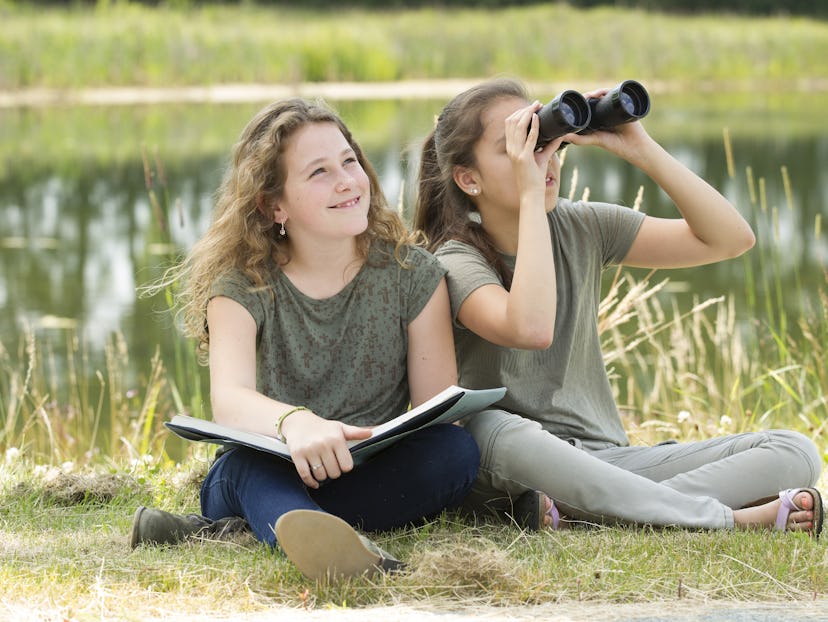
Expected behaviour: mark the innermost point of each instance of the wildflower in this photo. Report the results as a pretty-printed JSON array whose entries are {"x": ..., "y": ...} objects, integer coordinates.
[
  {"x": 12, "y": 455},
  {"x": 684, "y": 416}
]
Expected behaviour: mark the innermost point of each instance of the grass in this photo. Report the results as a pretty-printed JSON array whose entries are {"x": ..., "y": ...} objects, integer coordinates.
[
  {"x": 119, "y": 44},
  {"x": 83, "y": 442},
  {"x": 64, "y": 545}
]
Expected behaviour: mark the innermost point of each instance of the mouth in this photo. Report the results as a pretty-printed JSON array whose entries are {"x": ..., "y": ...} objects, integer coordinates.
[
  {"x": 550, "y": 180},
  {"x": 347, "y": 204}
]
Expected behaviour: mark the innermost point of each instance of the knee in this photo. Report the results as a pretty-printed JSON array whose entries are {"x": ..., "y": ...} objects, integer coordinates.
[
  {"x": 806, "y": 454},
  {"x": 452, "y": 450},
  {"x": 463, "y": 449},
  {"x": 494, "y": 430}
]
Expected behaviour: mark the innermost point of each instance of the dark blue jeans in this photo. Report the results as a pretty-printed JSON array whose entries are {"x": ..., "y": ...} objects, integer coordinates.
[{"x": 407, "y": 483}]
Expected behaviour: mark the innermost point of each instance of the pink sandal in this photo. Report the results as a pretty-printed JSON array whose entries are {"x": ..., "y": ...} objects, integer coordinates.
[
  {"x": 788, "y": 505},
  {"x": 529, "y": 511}
]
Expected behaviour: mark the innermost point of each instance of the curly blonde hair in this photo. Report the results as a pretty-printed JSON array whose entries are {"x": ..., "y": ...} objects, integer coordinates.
[{"x": 242, "y": 236}]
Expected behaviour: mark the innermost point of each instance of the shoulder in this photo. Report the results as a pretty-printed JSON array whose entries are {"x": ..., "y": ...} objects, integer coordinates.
[
  {"x": 462, "y": 257},
  {"x": 404, "y": 257},
  {"x": 457, "y": 249}
]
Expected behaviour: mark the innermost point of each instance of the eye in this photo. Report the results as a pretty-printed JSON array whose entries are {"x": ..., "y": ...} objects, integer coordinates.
[
  {"x": 317, "y": 171},
  {"x": 351, "y": 160}
]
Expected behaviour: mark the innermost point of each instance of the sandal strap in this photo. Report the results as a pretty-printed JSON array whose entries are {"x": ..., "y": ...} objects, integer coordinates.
[
  {"x": 554, "y": 514},
  {"x": 787, "y": 506}
]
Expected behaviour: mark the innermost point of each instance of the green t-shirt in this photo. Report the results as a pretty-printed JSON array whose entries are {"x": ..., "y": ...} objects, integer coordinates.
[
  {"x": 345, "y": 357},
  {"x": 565, "y": 387}
]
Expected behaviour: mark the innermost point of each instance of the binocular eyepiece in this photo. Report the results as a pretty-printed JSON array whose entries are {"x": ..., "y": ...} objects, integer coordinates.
[{"x": 572, "y": 112}]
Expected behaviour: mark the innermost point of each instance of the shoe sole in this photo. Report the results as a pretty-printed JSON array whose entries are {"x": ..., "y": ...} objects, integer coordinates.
[
  {"x": 529, "y": 509},
  {"x": 323, "y": 546},
  {"x": 819, "y": 515}
]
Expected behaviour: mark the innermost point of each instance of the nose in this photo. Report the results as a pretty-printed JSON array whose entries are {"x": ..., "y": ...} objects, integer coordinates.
[{"x": 345, "y": 181}]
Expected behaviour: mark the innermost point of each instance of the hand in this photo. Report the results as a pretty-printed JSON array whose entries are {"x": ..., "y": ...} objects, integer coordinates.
[
  {"x": 521, "y": 132},
  {"x": 319, "y": 447}
]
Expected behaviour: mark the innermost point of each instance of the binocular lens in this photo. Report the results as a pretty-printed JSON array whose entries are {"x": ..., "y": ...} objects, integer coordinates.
[
  {"x": 627, "y": 103},
  {"x": 634, "y": 98},
  {"x": 567, "y": 113}
]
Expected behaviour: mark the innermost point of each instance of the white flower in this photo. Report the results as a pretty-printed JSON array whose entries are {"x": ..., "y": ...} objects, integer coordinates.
[
  {"x": 12, "y": 455},
  {"x": 684, "y": 416},
  {"x": 725, "y": 421}
]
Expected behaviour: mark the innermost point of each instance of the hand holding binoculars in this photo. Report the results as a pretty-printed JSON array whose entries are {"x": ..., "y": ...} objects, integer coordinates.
[{"x": 572, "y": 112}]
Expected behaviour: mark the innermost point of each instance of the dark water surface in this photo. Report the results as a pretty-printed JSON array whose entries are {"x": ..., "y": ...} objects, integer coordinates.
[{"x": 79, "y": 233}]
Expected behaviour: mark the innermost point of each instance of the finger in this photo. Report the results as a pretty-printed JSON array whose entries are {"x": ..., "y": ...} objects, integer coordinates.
[
  {"x": 318, "y": 470},
  {"x": 304, "y": 470},
  {"x": 355, "y": 433},
  {"x": 596, "y": 94},
  {"x": 344, "y": 459}
]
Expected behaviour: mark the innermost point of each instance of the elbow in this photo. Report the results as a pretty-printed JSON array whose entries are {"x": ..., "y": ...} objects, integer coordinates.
[
  {"x": 743, "y": 242},
  {"x": 538, "y": 338}
]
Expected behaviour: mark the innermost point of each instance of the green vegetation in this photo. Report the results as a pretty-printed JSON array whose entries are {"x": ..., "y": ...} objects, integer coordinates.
[
  {"x": 132, "y": 45},
  {"x": 65, "y": 554},
  {"x": 82, "y": 441}
]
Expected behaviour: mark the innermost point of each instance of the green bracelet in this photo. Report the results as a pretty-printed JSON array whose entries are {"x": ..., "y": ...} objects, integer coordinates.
[{"x": 282, "y": 418}]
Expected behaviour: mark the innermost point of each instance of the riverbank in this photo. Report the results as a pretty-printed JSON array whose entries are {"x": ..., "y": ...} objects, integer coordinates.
[{"x": 351, "y": 91}]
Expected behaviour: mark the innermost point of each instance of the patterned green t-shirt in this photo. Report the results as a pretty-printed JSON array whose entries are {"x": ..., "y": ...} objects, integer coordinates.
[
  {"x": 345, "y": 357},
  {"x": 564, "y": 387}
]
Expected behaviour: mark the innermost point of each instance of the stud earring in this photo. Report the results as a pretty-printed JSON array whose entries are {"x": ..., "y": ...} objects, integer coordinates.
[
  {"x": 475, "y": 191},
  {"x": 282, "y": 231}
]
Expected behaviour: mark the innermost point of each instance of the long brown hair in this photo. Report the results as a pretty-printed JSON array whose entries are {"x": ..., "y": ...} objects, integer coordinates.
[
  {"x": 443, "y": 211},
  {"x": 242, "y": 235}
]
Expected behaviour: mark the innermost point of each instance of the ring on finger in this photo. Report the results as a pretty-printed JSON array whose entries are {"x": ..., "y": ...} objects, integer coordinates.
[{"x": 316, "y": 466}]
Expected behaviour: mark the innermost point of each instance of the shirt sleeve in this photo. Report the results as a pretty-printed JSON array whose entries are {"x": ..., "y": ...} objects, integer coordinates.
[
  {"x": 236, "y": 286},
  {"x": 616, "y": 228},
  {"x": 424, "y": 274},
  {"x": 467, "y": 270}
]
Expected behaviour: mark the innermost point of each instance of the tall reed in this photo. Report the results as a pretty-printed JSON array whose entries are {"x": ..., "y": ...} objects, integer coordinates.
[{"x": 680, "y": 369}]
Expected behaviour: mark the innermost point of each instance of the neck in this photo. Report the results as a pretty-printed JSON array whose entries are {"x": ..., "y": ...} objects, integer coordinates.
[
  {"x": 321, "y": 271},
  {"x": 502, "y": 227}
]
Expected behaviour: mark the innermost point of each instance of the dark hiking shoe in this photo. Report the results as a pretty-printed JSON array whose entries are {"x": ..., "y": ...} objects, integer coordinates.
[{"x": 151, "y": 526}]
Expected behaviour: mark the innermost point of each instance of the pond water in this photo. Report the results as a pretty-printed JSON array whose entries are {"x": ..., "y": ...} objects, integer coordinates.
[{"x": 79, "y": 232}]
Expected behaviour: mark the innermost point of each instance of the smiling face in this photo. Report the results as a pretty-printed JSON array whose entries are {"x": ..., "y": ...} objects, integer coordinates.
[
  {"x": 326, "y": 193},
  {"x": 494, "y": 168}
]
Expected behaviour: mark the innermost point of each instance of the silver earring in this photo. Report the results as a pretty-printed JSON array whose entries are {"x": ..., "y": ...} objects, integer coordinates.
[{"x": 282, "y": 231}]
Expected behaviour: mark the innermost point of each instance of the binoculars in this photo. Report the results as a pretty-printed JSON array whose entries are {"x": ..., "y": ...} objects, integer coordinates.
[{"x": 572, "y": 112}]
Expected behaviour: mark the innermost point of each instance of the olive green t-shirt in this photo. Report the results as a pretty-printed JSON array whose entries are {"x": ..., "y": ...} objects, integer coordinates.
[
  {"x": 344, "y": 357},
  {"x": 564, "y": 387}
]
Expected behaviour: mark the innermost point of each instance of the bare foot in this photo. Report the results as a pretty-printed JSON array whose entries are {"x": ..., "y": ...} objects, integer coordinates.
[
  {"x": 548, "y": 519},
  {"x": 765, "y": 515}
]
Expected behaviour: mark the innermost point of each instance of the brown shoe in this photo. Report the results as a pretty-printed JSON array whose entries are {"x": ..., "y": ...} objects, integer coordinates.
[{"x": 323, "y": 546}]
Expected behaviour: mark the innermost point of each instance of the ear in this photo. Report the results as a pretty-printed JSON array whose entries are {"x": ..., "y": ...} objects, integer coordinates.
[
  {"x": 467, "y": 180},
  {"x": 272, "y": 211}
]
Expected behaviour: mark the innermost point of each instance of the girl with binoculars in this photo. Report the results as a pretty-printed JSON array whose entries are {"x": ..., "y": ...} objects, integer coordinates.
[{"x": 524, "y": 275}]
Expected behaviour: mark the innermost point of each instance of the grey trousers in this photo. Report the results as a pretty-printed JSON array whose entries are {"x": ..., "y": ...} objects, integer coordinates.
[{"x": 692, "y": 485}]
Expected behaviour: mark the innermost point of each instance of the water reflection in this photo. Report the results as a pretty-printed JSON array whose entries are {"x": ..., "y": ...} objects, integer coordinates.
[{"x": 78, "y": 232}]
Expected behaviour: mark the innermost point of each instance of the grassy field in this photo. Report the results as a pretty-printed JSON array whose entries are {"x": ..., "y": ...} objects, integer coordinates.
[
  {"x": 73, "y": 470},
  {"x": 119, "y": 44},
  {"x": 65, "y": 555}
]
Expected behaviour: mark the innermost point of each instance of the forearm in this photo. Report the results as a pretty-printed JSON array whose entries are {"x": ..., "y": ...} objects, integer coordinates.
[
  {"x": 708, "y": 214},
  {"x": 247, "y": 409},
  {"x": 533, "y": 293}
]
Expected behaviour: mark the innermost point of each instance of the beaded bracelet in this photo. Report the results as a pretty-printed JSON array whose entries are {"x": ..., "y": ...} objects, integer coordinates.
[{"x": 282, "y": 418}]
